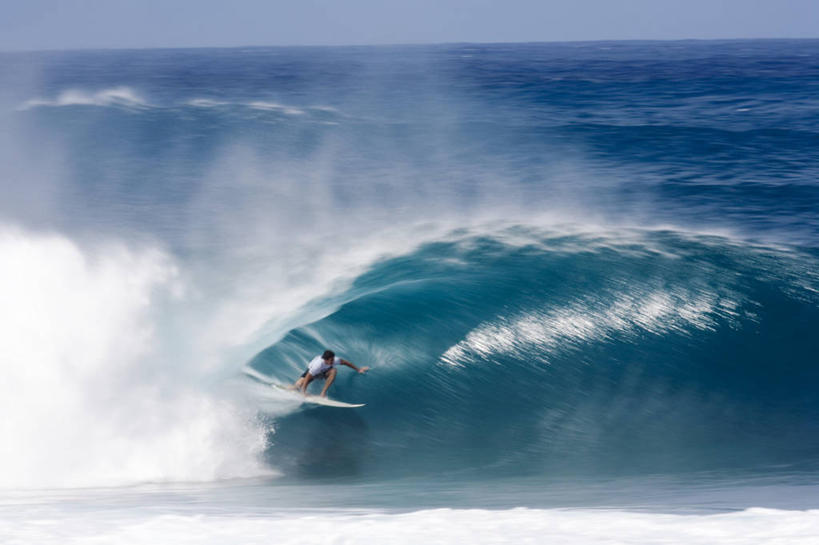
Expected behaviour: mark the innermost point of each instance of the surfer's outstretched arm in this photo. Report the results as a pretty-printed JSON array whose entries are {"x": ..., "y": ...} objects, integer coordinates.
[{"x": 350, "y": 365}]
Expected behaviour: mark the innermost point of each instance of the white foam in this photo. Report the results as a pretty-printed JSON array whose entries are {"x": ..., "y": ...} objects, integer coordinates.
[
  {"x": 261, "y": 105},
  {"x": 115, "y": 96},
  {"x": 274, "y": 106},
  {"x": 205, "y": 103},
  {"x": 562, "y": 328},
  {"x": 329, "y": 109},
  {"x": 91, "y": 393},
  {"x": 443, "y": 526}
]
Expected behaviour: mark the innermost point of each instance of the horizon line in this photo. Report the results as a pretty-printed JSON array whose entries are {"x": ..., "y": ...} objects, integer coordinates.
[{"x": 403, "y": 44}]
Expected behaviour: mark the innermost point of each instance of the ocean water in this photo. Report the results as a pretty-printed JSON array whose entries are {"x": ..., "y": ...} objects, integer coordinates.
[{"x": 585, "y": 277}]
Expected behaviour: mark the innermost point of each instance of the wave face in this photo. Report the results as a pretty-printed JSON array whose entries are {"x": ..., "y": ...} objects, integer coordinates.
[{"x": 528, "y": 353}]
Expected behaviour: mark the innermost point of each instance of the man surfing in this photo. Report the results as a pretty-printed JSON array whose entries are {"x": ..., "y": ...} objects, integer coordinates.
[{"x": 323, "y": 367}]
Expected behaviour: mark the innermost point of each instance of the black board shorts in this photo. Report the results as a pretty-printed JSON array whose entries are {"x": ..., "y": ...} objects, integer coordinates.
[{"x": 323, "y": 374}]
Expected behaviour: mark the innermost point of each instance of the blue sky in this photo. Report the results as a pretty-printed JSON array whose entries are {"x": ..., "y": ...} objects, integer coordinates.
[{"x": 52, "y": 24}]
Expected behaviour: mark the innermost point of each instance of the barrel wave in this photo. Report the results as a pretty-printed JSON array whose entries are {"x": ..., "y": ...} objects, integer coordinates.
[{"x": 529, "y": 352}]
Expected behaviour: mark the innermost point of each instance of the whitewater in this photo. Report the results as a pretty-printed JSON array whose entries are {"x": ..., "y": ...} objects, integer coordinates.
[{"x": 585, "y": 276}]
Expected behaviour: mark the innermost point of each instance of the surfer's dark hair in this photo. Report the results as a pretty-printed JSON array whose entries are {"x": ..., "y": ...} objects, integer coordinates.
[{"x": 328, "y": 354}]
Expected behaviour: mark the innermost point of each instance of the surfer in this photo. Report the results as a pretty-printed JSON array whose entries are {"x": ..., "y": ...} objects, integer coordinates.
[{"x": 323, "y": 367}]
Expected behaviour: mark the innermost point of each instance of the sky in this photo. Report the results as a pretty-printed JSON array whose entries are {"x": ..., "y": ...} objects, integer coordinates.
[{"x": 72, "y": 24}]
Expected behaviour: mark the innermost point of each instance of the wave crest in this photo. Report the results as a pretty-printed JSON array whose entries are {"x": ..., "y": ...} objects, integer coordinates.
[{"x": 115, "y": 96}]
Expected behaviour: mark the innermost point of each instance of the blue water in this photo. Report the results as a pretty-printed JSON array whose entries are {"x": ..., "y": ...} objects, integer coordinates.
[
  {"x": 575, "y": 269},
  {"x": 715, "y": 134}
]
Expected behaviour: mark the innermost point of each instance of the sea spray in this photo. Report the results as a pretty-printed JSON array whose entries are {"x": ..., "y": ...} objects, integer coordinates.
[{"x": 88, "y": 396}]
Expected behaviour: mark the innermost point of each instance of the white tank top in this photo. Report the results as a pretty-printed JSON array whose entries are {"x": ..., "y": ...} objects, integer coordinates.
[{"x": 317, "y": 365}]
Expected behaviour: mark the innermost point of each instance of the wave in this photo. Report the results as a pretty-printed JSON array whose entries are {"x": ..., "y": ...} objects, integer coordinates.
[
  {"x": 512, "y": 350},
  {"x": 115, "y": 96},
  {"x": 263, "y": 105},
  {"x": 273, "y": 106},
  {"x": 128, "y": 98},
  {"x": 639, "y": 351},
  {"x": 206, "y": 103}
]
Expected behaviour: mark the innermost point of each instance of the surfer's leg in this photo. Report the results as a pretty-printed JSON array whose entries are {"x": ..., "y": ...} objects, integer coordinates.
[
  {"x": 305, "y": 382},
  {"x": 297, "y": 385},
  {"x": 330, "y": 376}
]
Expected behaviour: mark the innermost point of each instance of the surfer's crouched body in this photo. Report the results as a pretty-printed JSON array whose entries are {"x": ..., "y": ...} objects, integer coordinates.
[{"x": 323, "y": 367}]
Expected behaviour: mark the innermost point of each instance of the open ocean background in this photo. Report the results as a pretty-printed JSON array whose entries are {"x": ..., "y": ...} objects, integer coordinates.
[{"x": 585, "y": 275}]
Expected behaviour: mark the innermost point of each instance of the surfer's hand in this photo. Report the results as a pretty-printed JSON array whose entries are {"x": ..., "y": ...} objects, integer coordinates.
[{"x": 362, "y": 370}]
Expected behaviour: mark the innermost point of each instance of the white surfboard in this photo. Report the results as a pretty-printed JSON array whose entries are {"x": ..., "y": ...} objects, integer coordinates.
[
  {"x": 317, "y": 400},
  {"x": 326, "y": 401}
]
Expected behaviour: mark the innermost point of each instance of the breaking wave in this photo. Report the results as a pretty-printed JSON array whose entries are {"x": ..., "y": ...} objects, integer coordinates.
[{"x": 543, "y": 352}]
